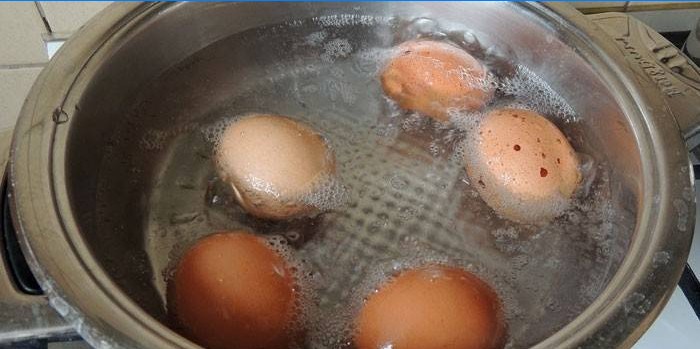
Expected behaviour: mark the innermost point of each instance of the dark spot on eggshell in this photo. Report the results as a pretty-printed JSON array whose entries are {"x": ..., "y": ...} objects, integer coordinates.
[
  {"x": 558, "y": 161},
  {"x": 544, "y": 156},
  {"x": 543, "y": 172},
  {"x": 516, "y": 147}
]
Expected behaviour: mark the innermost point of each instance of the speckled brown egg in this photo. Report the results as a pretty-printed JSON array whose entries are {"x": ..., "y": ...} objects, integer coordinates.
[
  {"x": 274, "y": 163},
  {"x": 231, "y": 290},
  {"x": 431, "y": 77},
  {"x": 431, "y": 307},
  {"x": 522, "y": 165}
]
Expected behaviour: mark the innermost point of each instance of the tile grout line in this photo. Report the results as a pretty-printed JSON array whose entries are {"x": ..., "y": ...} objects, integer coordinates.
[
  {"x": 42, "y": 14},
  {"x": 21, "y": 66}
]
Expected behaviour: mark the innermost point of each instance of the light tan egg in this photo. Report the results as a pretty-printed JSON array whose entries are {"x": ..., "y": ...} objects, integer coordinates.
[
  {"x": 432, "y": 307},
  {"x": 432, "y": 76},
  {"x": 231, "y": 290},
  {"x": 522, "y": 165},
  {"x": 273, "y": 163}
]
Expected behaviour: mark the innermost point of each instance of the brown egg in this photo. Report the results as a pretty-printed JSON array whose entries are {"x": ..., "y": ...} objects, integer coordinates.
[
  {"x": 522, "y": 165},
  {"x": 432, "y": 307},
  {"x": 272, "y": 162},
  {"x": 431, "y": 76},
  {"x": 231, "y": 290}
]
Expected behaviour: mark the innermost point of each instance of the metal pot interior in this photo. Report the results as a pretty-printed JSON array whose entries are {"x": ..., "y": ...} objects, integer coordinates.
[{"x": 143, "y": 187}]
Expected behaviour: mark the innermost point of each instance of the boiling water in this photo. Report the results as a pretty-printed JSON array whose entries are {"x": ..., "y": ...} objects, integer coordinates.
[{"x": 406, "y": 198}]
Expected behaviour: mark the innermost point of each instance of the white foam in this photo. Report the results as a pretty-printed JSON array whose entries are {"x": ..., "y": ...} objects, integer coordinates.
[
  {"x": 336, "y": 48},
  {"x": 316, "y": 38},
  {"x": 534, "y": 93},
  {"x": 338, "y": 90},
  {"x": 153, "y": 140},
  {"x": 306, "y": 283},
  {"x": 345, "y": 20},
  {"x": 156, "y": 139},
  {"x": 213, "y": 132},
  {"x": 370, "y": 61}
]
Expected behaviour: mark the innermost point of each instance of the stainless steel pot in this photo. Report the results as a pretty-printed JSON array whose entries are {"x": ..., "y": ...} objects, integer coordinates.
[{"x": 637, "y": 95}]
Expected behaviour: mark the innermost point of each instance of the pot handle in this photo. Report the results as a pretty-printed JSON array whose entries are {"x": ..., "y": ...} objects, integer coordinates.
[
  {"x": 658, "y": 65},
  {"x": 27, "y": 318},
  {"x": 24, "y": 318}
]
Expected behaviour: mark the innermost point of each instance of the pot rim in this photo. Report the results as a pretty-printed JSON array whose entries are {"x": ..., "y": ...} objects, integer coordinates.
[{"x": 85, "y": 295}]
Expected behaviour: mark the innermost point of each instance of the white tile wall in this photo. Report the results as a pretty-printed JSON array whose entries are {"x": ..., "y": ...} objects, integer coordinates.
[
  {"x": 23, "y": 52},
  {"x": 20, "y": 34},
  {"x": 67, "y": 17},
  {"x": 14, "y": 86}
]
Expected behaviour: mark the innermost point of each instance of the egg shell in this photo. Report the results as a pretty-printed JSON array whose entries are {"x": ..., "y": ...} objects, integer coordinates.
[
  {"x": 272, "y": 162},
  {"x": 522, "y": 165},
  {"x": 432, "y": 76},
  {"x": 431, "y": 307},
  {"x": 231, "y": 290}
]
